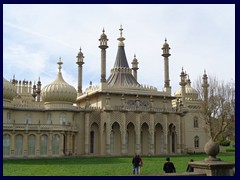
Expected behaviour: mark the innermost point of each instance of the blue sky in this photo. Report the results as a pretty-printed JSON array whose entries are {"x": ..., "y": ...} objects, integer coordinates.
[{"x": 200, "y": 36}]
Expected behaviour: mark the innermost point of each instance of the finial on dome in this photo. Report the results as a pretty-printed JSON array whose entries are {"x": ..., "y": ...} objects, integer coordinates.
[
  {"x": 103, "y": 30},
  {"x": 121, "y": 39},
  {"x": 204, "y": 71},
  {"x": 121, "y": 29},
  {"x": 59, "y": 63},
  {"x": 165, "y": 39}
]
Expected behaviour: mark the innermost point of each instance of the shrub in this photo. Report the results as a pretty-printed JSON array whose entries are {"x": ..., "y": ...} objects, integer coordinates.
[
  {"x": 230, "y": 149},
  {"x": 224, "y": 142}
]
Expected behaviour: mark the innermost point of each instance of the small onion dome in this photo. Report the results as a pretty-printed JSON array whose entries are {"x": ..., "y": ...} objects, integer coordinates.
[
  {"x": 103, "y": 36},
  {"x": 166, "y": 45},
  {"x": 191, "y": 93},
  {"x": 9, "y": 90},
  {"x": 80, "y": 54},
  {"x": 59, "y": 90}
]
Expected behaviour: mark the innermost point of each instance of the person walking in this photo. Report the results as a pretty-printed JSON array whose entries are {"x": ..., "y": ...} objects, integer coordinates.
[
  {"x": 140, "y": 165},
  {"x": 135, "y": 163},
  {"x": 168, "y": 166},
  {"x": 189, "y": 167}
]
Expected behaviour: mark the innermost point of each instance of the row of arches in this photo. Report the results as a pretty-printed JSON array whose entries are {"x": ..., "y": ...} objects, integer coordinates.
[
  {"x": 29, "y": 145},
  {"x": 129, "y": 141}
]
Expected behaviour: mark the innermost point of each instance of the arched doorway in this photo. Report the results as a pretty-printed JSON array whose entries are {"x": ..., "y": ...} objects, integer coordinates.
[
  {"x": 115, "y": 139},
  {"x": 158, "y": 139},
  {"x": 172, "y": 139},
  {"x": 145, "y": 139},
  {"x": 130, "y": 139},
  {"x": 94, "y": 139}
]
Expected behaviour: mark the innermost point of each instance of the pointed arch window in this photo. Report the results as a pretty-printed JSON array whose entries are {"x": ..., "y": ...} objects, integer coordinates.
[
  {"x": 55, "y": 144},
  {"x": 8, "y": 117},
  {"x": 92, "y": 142},
  {"x": 43, "y": 145},
  {"x": 6, "y": 144},
  {"x": 19, "y": 145},
  {"x": 195, "y": 122},
  {"x": 63, "y": 119},
  {"x": 49, "y": 118},
  {"x": 196, "y": 142},
  {"x": 31, "y": 145},
  {"x": 28, "y": 118}
]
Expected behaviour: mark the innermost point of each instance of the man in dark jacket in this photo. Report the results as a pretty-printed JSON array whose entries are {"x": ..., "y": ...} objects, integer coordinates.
[
  {"x": 136, "y": 164},
  {"x": 168, "y": 166}
]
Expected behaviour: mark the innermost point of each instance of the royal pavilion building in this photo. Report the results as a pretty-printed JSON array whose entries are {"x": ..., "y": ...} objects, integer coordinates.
[{"x": 117, "y": 117}]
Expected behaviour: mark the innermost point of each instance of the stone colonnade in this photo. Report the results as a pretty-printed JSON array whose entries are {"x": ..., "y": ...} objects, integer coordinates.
[{"x": 129, "y": 133}]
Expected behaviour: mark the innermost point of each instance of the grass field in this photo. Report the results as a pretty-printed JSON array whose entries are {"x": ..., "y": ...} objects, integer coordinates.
[{"x": 97, "y": 166}]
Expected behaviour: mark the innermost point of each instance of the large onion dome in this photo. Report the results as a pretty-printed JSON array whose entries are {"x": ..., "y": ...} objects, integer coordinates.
[
  {"x": 191, "y": 93},
  {"x": 9, "y": 90},
  {"x": 59, "y": 90}
]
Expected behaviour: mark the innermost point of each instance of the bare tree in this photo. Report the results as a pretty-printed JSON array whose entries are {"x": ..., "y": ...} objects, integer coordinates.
[{"x": 218, "y": 105}]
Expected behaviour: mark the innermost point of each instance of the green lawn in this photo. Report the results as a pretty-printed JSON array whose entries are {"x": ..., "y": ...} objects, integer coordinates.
[{"x": 97, "y": 166}]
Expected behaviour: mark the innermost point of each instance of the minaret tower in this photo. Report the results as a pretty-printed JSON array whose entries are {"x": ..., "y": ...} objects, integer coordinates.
[
  {"x": 38, "y": 91},
  {"x": 166, "y": 48},
  {"x": 205, "y": 86},
  {"x": 103, "y": 46},
  {"x": 80, "y": 63},
  {"x": 135, "y": 67},
  {"x": 183, "y": 84}
]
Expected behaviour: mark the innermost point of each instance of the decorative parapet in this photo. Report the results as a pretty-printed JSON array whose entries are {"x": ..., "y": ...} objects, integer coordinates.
[
  {"x": 99, "y": 88},
  {"x": 121, "y": 70},
  {"x": 145, "y": 109},
  {"x": 60, "y": 106},
  {"x": 91, "y": 89},
  {"x": 38, "y": 127},
  {"x": 41, "y": 107},
  {"x": 24, "y": 106}
]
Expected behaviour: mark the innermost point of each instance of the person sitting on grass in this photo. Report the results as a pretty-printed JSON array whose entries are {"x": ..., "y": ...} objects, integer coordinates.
[{"x": 189, "y": 167}]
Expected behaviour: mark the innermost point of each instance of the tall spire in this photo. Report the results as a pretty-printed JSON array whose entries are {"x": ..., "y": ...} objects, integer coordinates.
[
  {"x": 121, "y": 74},
  {"x": 103, "y": 46},
  {"x": 121, "y": 39},
  {"x": 205, "y": 86},
  {"x": 80, "y": 62},
  {"x": 135, "y": 66},
  {"x": 166, "y": 55}
]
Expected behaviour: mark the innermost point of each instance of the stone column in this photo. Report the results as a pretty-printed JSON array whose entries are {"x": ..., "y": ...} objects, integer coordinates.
[
  {"x": 152, "y": 134},
  {"x": 70, "y": 143},
  {"x": 87, "y": 117},
  {"x": 12, "y": 147},
  {"x": 25, "y": 145},
  {"x": 138, "y": 134},
  {"x": 165, "y": 134},
  {"x": 103, "y": 65},
  {"x": 50, "y": 144},
  {"x": 101, "y": 131},
  {"x": 123, "y": 133},
  {"x": 108, "y": 132},
  {"x": 61, "y": 143},
  {"x": 80, "y": 62},
  {"x": 38, "y": 144}
]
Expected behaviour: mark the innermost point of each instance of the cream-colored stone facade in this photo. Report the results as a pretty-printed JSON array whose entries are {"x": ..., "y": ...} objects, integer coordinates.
[{"x": 117, "y": 117}]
